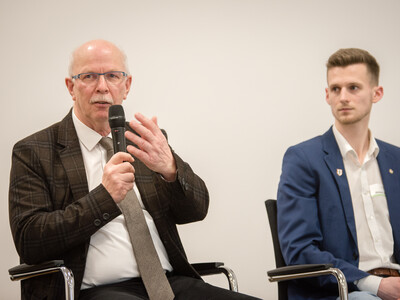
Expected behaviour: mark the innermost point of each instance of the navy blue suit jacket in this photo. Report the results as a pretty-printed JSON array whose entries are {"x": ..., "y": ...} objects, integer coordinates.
[{"x": 315, "y": 213}]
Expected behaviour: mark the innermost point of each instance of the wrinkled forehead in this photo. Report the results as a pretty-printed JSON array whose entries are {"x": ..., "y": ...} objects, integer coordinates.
[{"x": 97, "y": 58}]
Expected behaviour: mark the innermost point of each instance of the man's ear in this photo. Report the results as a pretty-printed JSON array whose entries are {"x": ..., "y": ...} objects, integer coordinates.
[
  {"x": 378, "y": 94},
  {"x": 128, "y": 84},
  {"x": 70, "y": 86},
  {"x": 327, "y": 96}
]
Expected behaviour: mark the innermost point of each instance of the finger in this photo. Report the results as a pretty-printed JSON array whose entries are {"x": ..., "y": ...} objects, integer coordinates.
[
  {"x": 121, "y": 157},
  {"x": 142, "y": 131},
  {"x": 143, "y": 144},
  {"x": 127, "y": 177},
  {"x": 126, "y": 167},
  {"x": 154, "y": 119},
  {"x": 141, "y": 155},
  {"x": 148, "y": 123}
]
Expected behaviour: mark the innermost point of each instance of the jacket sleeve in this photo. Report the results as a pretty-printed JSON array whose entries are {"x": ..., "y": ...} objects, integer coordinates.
[
  {"x": 189, "y": 194},
  {"x": 184, "y": 200},
  {"x": 46, "y": 222}
]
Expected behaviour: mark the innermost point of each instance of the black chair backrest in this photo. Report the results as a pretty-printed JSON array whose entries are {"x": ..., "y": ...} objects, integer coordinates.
[{"x": 279, "y": 261}]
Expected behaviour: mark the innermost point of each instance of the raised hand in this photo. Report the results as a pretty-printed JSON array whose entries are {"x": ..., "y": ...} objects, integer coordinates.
[{"x": 153, "y": 149}]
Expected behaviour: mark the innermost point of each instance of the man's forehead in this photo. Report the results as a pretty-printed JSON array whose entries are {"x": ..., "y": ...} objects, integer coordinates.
[
  {"x": 352, "y": 73},
  {"x": 92, "y": 56}
]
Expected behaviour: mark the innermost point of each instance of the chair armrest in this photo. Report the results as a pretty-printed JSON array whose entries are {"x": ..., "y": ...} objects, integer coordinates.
[
  {"x": 211, "y": 268},
  {"x": 24, "y": 268},
  {"x": 310, "y": 270},
  {"x": 296, "y": 269},
  {"x": 208, "y": 268},
  {"x": 24, "y": 271}
]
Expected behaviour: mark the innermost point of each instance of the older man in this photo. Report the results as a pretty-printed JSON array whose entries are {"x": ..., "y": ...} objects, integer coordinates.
[{"x": 66, "y": 197}]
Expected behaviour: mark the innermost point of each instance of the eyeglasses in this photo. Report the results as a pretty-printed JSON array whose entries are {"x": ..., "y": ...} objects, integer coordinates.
[{"x": 113, "y": 77}]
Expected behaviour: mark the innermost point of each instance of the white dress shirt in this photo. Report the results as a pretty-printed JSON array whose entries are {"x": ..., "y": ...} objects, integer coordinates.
[
  {"x": 110, "y": 256},
  {"x": 374, "y": 231}
]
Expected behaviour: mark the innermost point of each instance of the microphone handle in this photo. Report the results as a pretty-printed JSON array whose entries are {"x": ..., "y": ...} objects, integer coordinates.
[{"x": 118, "y": 136}]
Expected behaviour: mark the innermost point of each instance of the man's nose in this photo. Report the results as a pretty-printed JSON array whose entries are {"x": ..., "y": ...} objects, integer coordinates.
[
  {"x": 102, "y": 86},
  {"x": 343, "y": 95}
]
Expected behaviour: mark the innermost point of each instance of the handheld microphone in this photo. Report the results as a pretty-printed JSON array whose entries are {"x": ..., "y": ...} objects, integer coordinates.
[{"x": 116, "y": 119}]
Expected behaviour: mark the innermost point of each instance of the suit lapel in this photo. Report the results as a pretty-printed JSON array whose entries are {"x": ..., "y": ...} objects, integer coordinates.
[
  {"x": 71, "y": 158},
  {"x": 334, "y": 161}
]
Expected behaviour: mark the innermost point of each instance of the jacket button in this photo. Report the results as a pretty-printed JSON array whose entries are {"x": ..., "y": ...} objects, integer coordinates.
[
  {"x": 106, "y": 216},
  {"x": 97, "y": 222}
]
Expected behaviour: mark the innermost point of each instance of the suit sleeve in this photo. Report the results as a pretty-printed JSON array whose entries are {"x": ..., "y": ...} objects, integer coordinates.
[
  {"x": 299, "y": 218},
  {"x": 46, "y": 222},
  {"x": 186, "y": 199},
  {"x": 189, "y": 195}
]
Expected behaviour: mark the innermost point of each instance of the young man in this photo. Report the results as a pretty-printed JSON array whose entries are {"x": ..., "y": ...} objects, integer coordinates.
[
  {"x": 339, "y": 193},
  {"x": 66, "y": 199}
]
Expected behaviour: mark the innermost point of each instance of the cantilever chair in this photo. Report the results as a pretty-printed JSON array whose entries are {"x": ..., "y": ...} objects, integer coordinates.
[
  {"x": 282, "y": 273},
  {"x": 24, "y": 271}
]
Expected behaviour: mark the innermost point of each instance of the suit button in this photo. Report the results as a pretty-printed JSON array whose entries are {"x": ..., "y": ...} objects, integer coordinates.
[
  {"x": 106, "y": 216},
  {"x": 97, "y": 222}
]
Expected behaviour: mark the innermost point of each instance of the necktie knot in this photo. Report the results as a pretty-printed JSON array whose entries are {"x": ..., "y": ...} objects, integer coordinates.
[{"x": 107, "y": 144}]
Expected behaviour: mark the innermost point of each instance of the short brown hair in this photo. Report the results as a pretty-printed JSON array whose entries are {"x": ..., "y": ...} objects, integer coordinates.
[{"x": 351, "y": 56}]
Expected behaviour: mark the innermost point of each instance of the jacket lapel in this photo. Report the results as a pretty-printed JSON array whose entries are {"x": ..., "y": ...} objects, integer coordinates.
[
  {"x": 335, "y": 164},
  {"x": 71, "y": 158}
]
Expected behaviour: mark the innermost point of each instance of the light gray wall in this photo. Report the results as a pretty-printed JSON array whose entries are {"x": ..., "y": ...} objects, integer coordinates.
[{"x": 234, "y": 82}]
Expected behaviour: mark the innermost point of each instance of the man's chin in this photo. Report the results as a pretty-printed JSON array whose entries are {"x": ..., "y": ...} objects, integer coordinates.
[{"x": 348, "y": 120}]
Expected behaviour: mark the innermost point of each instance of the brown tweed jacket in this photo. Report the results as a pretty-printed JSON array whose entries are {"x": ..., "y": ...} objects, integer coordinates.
[{"x": 53, "y": 215}]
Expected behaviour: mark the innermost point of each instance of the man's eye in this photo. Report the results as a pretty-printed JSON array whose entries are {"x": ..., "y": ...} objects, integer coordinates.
[
  {"x": 353, "y": 88},
  {"x": 335, "y": 89},
  {"x": 88, "y": 76},
  {"x": 113, "y": 75}
]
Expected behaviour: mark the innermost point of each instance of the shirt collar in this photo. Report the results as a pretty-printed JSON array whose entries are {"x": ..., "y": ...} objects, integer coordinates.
[
  {"x": 87, "y": 136},
  {"x": 345, "y": 148}
]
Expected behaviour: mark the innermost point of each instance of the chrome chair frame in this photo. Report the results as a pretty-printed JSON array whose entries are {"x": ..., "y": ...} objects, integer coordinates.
[
  {"x": 24, "y": 271},
  {"x": 205, "y": 269}
]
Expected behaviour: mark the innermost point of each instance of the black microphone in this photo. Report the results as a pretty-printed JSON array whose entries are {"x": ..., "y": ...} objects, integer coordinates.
[{"x": 116, "y": 119}]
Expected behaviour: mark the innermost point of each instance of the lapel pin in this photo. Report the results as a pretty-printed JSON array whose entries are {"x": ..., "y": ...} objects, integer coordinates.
[
  {"x": 391, "y": 171},
  {"x": 339, "y": 172}
]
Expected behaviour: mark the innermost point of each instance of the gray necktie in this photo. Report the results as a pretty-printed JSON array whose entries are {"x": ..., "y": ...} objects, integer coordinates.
[{"x": 151, "y": 271}]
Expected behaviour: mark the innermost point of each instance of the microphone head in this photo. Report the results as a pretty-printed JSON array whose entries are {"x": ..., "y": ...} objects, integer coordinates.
[{"x": 116, "y": 116}]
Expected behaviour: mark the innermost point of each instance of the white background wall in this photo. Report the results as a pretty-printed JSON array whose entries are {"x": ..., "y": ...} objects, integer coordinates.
[{"x": 234, "y": 83}]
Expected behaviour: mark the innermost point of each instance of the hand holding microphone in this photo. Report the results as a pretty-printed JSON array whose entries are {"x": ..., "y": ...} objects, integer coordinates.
[{"x": 118, "y": 174}]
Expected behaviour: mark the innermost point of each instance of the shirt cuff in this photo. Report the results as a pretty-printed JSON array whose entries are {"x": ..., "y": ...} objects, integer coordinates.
[
  {"x": 162, "y": 177},
  {"x": 369, "y": 284}
]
